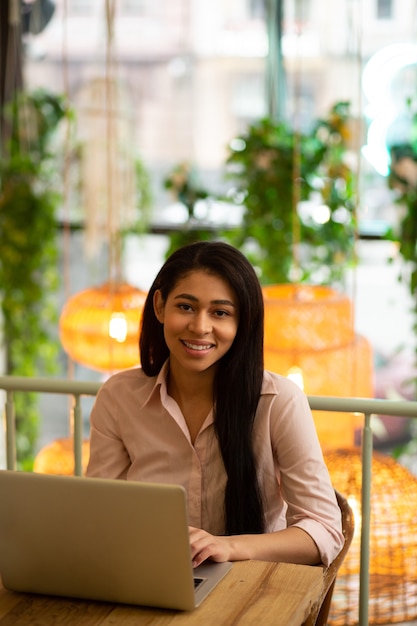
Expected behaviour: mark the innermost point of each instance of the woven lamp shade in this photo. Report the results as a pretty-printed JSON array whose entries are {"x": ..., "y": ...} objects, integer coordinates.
[
  {"x": 393, "y": 540},
  {"x": 99, "y": 327},
  {"x": 310, "y": 329},
  {"x": 58, "y": 458}
]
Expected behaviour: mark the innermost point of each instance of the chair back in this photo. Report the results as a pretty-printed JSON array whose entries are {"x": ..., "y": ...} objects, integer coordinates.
[{"x": 320, "y": 611}]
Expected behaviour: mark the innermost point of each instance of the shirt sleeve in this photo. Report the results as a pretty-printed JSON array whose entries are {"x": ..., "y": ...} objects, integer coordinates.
[
  {"x": 305, "y": 482},
  {"x": 108, "y": 455}
]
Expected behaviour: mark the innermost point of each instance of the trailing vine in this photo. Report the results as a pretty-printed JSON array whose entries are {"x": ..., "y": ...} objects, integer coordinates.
[{"x": 29, "y": 273}]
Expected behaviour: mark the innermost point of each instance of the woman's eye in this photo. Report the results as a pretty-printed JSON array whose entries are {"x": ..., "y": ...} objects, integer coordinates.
[
  {"x": 185, "y": 307},
  {"x": 221, "y": 313}
]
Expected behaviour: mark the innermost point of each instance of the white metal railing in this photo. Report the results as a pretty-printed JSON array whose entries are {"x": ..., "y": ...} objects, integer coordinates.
[
  {"x": 365, "y": 406},
  {"x": 73, "y": 388}
]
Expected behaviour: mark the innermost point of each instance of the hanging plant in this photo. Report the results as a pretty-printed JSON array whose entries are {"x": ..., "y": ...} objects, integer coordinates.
[
  {"x": 29, "y": 275},
  {"x": 297, "y": 191},
  {"x": 185, "y": 188},
  {"x": 403, "y": 179}
]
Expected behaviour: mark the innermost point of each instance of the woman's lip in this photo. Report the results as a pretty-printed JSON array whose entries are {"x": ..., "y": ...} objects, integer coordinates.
[{"x": 199, "y": 347}]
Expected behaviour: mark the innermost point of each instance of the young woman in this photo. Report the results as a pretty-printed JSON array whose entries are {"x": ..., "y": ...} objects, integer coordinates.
[{"x": 202, "y": 412}]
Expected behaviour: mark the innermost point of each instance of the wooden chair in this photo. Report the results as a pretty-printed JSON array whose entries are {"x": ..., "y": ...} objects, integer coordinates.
[{"x": 320, "y": 611}]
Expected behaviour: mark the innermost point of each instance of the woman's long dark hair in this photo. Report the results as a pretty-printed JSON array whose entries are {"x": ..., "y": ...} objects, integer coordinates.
[{"x": 238, "y": 380}]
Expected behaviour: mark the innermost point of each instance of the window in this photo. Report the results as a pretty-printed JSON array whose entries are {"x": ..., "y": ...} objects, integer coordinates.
[
  {"x": 132, "y": 7},
  {"x": 256, "y": 9},
  {"x": 384, "y": 9},
  {"x": 80, "y": 8}
]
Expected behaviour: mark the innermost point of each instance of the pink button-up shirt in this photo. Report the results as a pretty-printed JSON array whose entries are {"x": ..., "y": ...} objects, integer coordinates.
[{"x": 139, "y": 433}]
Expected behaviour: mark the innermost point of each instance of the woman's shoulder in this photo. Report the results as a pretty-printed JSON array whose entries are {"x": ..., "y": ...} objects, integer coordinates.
[
  {"x": 283, "y": 388},
  {"x": 274, "y": 384},
  {"x": 282, "y": 399}
]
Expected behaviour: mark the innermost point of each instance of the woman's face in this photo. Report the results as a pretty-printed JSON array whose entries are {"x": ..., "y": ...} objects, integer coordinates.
[{"x": 200, "y": 318}]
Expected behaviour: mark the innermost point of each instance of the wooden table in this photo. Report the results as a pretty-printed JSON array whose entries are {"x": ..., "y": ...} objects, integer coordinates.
[{"x": 252, "y": 593}]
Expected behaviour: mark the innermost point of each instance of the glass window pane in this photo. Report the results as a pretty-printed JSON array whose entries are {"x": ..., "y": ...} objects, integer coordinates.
[{"x": 384, "y": 9}]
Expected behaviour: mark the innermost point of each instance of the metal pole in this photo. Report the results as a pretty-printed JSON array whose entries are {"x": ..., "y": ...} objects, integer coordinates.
[
  {"x": 275, "y": 77},
  {"x": 366, "y": 521},
  {"x": 10, "y": 432},
  {"x": 78, "y": 436}
]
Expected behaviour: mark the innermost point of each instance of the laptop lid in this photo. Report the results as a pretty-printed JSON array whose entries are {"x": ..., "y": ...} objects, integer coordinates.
[{"x": 99, "y": 539}]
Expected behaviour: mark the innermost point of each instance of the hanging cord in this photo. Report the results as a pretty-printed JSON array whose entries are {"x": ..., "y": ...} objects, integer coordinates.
[
  {"x": 13, "y": 80},
  {"x": 111, "y": 109},
  {"x": 113, "y": 225},
  {"x": 66, "y": 231},
  {"x": 67, "y": 156},
  {"x": 108, "y": 165},
  {"x": 358, "y": 174},
  {"x": 297, "y": 181}
]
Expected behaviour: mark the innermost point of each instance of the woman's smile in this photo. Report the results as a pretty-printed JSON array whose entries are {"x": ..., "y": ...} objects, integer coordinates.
[{"x": 198, "y": 347}]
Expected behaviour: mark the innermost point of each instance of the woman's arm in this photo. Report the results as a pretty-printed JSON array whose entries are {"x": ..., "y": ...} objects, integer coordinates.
[
  {"x": 304, "y": 481},
  {"x": 292, "y": 545},
  {"x": 108, "y": 455},
  {"x": 292, "y": 473}
]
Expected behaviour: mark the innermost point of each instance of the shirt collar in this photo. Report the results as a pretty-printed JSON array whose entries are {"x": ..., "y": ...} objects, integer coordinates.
[
  {"x": 160, "y": 384},
  {"x": 268, "y": 384}
]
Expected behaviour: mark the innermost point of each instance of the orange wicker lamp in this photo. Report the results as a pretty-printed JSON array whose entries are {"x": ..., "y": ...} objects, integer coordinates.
[
  {"x": 99, "y": 327},
  {"x": 58, "y": 457},
  {"x": 309, "y": 336},
  {"x": 393, "y": 540}
]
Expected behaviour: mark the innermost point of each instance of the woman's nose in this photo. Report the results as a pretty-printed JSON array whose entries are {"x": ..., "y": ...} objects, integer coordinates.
[{"x": 201, "y": 323}]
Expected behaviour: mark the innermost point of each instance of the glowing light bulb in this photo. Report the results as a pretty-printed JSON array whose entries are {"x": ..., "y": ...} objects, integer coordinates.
[
  {"x": 296, "y": 375},
  {"x": 118, "y": 327}
]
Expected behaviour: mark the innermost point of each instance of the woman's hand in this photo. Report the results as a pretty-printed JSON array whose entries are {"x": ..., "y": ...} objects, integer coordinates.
[{"x": 205, "y": 546}]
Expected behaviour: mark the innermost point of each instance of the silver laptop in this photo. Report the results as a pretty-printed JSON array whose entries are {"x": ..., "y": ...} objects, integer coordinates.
[{"x": 99, "y": 539}]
